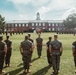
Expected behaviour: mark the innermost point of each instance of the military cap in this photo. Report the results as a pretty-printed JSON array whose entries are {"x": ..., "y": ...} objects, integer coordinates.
[
  {"x": 55, "y": 35},
  {"x": 26, "y": 36}
]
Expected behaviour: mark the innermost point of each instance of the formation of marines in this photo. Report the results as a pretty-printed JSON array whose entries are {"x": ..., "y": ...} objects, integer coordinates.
[{"x": 54, "y": 51}]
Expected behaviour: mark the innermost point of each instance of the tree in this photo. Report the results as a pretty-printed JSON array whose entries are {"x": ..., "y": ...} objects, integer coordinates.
[
  {"x": 2, "y": 23},
  {"x": 70, "y": 22}
]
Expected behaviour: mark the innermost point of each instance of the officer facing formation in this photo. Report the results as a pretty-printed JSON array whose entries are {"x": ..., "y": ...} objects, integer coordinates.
[
  {"x": 3, "y": 51},
  {"x": 26, "y": 49},
  {"x": 9, "y": 50},
  {"x": 49, "y": 58},
  {"x": 29, "y": 37},
  {"x": 39, "y": 42},
  {"x": 74, "y": 53},
  {"x": 55, "y": 51}
]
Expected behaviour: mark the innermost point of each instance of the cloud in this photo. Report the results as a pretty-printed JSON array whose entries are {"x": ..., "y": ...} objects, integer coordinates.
[
  {"x": 19, "y": 1},
  {"x": 70, "y": 11},
  {"x": 32, "y": 2},
  {"x": 55, "y": 9}
]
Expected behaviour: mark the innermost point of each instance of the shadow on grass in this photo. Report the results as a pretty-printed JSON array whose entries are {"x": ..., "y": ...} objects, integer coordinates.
[
  {"x": 34, "y": 59},
  {"x": 20, "y": 64},
  {"x": 31, "y": 61},
  {"x": 42, "y": 71},
  {"x": 15, "y": 72}
]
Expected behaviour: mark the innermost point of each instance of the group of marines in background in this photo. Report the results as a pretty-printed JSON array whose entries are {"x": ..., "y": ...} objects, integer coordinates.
[{"x": 54, "y": 51}]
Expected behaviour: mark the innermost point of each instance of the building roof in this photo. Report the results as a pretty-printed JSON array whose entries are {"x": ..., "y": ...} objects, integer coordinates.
[{"x": 35, "y": 21}]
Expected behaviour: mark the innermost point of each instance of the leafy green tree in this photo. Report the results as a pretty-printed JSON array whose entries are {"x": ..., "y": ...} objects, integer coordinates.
[
  {"x": 70, "y": 22},
  {"x": 2, "y": 23}
]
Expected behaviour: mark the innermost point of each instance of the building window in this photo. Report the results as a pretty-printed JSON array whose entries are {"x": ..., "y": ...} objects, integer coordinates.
[
  {"x": 27, "y": 24},
  {"x": 23, "y": 25},
  {"x": 49, "y": 24},
  {"x": 19, "y": 25},
  {"x": 49, "y": 29},
  {"x": 15, "y": 25},
  {"x": 32, "y": 28},
  {"x": 32, "y": 24},
  {"x": 39, "y": 24},
  {"x": 52, "y": 29},
  {"x": 36, "y": 24},
  {"x": 43, "y": 24},
  {"x": 56, "y": 24},
  {"x": 52, "y": 24}
]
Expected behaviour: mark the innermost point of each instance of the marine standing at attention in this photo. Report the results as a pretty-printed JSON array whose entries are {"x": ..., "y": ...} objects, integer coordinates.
[
  {"x": 39, "y": 43},
  {"x": 9, "y": 50},
  {"x": 26, "y": 48},
  {"x": 29, "y": 37},
  {"x": 3, "y": 51},
  {"x": 56, "y": 50},
  {"x": 49, "y": 58}
]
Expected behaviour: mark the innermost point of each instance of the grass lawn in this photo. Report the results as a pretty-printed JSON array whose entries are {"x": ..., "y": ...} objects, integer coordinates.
[{"x": 40, "y": 66}]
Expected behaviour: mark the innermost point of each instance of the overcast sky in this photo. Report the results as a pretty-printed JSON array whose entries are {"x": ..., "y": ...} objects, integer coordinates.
[{"x": 27, "y": 9}]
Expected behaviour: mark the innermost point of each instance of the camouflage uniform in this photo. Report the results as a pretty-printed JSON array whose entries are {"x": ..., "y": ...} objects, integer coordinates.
[
  {"x": 31, "y": 52},
  {"x": 26, "y": 46},
  {"x": 55, "y": 46},
  {"x": 2, "y": 54},
  {"x": 9, "y": 52},
  {"x": 49, "y": 58},
  {"x": 74, "y": 53},
  {"x": 39, "y": 41}
]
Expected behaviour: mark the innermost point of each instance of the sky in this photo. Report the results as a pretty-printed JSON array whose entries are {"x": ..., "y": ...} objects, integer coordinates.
[{"x": 27, "y": 9}]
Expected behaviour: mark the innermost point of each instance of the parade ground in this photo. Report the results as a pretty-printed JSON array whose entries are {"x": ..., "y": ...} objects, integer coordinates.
[{"x": 40, "y": 66}]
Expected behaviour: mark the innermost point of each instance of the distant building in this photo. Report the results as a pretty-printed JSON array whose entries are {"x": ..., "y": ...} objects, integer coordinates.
[{"x": 26, "y": 25}]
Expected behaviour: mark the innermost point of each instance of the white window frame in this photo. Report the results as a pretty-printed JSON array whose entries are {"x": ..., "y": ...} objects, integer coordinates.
[
  {"x": 56, "y": 24},
  {"x": 26, "y": 24},
  {"x": 36, "y": 24},
  {"x": 49, "y": 29},
  {"x": 23, "y": 25},
  {"x": 39, "y": 24},
  {"x": 53, "y": 29},
  {"x": 19, "y": 25},
  {"x": 32, "y": 24},
  {"x": 49, "y": 24},
  {"x": 43, "y": 24},
  {"x": 53, "y": 24}
]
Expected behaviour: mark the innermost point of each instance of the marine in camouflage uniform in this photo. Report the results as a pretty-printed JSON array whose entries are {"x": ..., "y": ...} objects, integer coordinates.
[
  {"x": 39, "y": 42},
  {"x": 56, "y": 51},
  {"x": 9, "y": 51},
  {"x": 74, "y": 53},
  {"x": 29, "y": 35},
  {"x": 49, "y": 58},
  {"x": 26, "y": 49},
  {"x": 3, "y": 51}
]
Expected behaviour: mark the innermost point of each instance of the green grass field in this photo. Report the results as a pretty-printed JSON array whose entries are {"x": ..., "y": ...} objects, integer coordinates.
[{"x": 40, "y": 66}]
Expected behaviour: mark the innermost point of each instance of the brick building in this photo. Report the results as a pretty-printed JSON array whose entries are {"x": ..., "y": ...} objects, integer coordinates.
[{"x": 26, "y": 25}]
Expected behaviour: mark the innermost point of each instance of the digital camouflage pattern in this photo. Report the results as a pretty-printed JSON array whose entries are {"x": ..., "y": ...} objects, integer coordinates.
[
  {"x": 2, "y": 54},
  {"x": 55, "y": 46},
  {"x": 39, "y": 45},
  {"x": 26, "y": 46},
  {"x": 9, "y": 51}
]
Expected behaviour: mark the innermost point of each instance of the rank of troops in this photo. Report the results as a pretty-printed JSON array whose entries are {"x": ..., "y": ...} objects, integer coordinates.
[{"x": 54, "y": 51}]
